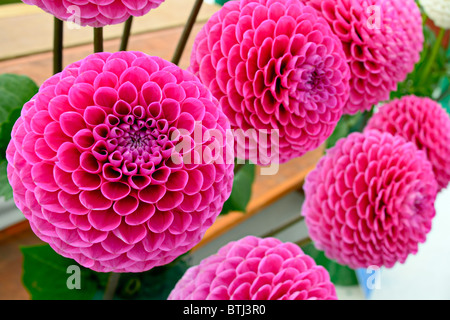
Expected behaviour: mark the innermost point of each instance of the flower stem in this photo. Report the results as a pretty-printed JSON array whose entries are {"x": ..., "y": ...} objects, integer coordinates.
[
  {"x": 98, "y": 40},
  {"x": 126, "y": 34},
  {"x": 111, "y": 287},
  {"x": 432, "y": 58},
  {"x": 238, "y": 167},
  {"x": 187, "y": 31},
  {"x": 58, "y": 33}
]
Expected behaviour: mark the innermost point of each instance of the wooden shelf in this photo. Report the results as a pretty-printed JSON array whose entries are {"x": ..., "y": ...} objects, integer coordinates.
[{"x": 266, "y": 190}]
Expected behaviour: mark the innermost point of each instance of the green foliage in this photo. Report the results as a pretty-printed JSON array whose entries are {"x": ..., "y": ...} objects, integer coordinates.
[
  {"x": 15, "y": 91},
  {"x": 242, "y": 189},
  {"x": 347, "y": 125},
  {"x": 155, "y": 284},
  {"x": 221, "y": 2},
  {"x": 423, "y": 81},
  {"x": 340, "y": 275},
  {"x": 5, "y": 187},
  {"x": 46, "y": 275}
]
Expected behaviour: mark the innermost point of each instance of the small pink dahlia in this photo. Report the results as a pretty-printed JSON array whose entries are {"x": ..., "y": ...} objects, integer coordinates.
[
  {"x": 96, "y": 168},
  {"x": 256, "y": 269},
  {"x": 95, "y": 13},
  {"x": 370, "y": 201},
  {"x": 382, "y": 40},
  {"x": 425, "y": 123},
  {"x": 279, "y": 73}
]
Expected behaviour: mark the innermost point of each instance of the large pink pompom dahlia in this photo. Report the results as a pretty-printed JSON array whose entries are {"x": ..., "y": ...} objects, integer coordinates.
[
  {"x": 425, "y": 123},
  {"x": 382, "y": 40},
  {"x": 370, "y": 201},
  {"x": 96, "y": 168},
  {"x": 279, "y": 73},
  {"x": 256, "y": 269},
  {"x": 95, "y": 13}
]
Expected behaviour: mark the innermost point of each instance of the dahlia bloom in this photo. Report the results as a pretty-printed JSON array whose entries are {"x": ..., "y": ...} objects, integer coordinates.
[
  {"x": 438, "y": 11},
  {"x": 95, "y": 164},
  {"x": 382, "y": 40},
  {"x": 256, "y": 269},
  {"x": 280, "y": 75},
  {"x": 370, "y": 201},
  {"x": 425, "y": 123},
  {"x": 95, "y": 13}
]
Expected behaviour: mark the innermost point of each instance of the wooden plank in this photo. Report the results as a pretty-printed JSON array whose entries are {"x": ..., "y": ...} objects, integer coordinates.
[
  {"x": 162, "y": 44},
  {"x": 266, "y": 190},
  {"x": 36, "y": 26}
]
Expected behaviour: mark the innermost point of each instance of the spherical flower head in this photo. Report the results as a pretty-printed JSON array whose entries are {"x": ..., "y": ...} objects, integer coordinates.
[
  {"x": 438, "y": 11},
  {"x": 370, "y": 201},
  {"x": 96, "y": 13},
  {"x": 99, "y": 165},
  {"x": 422, "y": 121},
  {"x": 279, "y": 73},
  {"x": 382, "y": 40},
  {"x": 253, "y": 268}
]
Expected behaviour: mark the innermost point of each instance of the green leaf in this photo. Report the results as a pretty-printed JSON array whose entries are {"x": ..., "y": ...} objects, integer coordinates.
[
  {"x": 155, "y": 284},
  {"x": 347, "y": 125},
  {"x": 242, "y": 190},
  {"x": 339, "y": 274},
  {"x": 46, "y": 276},
  {"x": 15, "y": 91},
  {"x": 5, "y": 188}
]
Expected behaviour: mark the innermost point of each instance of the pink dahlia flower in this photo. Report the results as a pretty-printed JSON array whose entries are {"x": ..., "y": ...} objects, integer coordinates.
[
  {"x": 256, "y": 269},
  {"x": 423, "y": 122},
  {"x": 279, "y": 73},
  {"x": 95, "y": 13},
  {"x": 382, "y": 40},
  {"x": 370, "y": 201},
  {"x": 95, "y": 163}
]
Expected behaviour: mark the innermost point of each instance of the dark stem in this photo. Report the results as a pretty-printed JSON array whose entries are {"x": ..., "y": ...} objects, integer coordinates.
[
  {"x": 111, "y": 287},
  {"x": 432, "y": 58},
  {"x": 126, "y": 34},
  {"x": 304, "y": 242},
  {"x": 98, "y": 40},
  {"x": 238, "y": 167},
  {"x": 187, "y": 32},
  {"x": 58, "y": 34}
]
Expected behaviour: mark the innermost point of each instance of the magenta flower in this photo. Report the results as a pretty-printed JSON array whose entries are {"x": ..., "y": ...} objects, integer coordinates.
[
  {"x": 279, "y": 73},
  {"x": 256, "y": 269},
  {"x": 370, "y": 201},
  {"x": 95, "y": 13},
  {"x": 96, "y": 167},
  {"x": 423, "y": 122},
  {"x": 382, "y": 40}
]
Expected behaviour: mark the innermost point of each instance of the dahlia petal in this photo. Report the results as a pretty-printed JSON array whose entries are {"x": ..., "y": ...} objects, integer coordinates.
[
  {"x": 94, "y": 200},
  {"x": 104, "y": 220}
]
